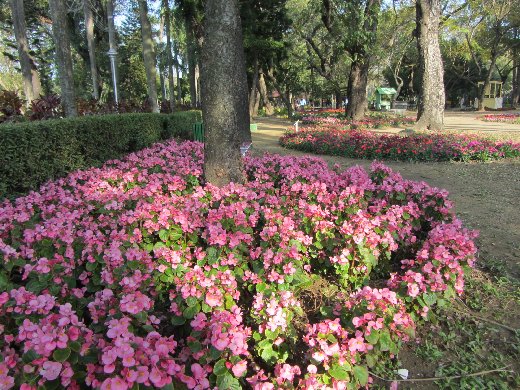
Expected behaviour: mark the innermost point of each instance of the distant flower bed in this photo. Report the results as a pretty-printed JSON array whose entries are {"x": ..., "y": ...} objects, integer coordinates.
[
  {"x": 135, "y": 274},
  {"x": 416, "y": 147},
  {"x": 506, "y": 118},
  {"x": 339, "y": 121}
]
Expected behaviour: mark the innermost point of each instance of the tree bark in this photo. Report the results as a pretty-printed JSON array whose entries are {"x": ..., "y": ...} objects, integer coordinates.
[
  {"x": 287, "y": 99},
  {"x": 192, "y": 62},
  {"x": 224, "y": 93},
  {"x": 178, "y": 74},
  {"x": 430, "y": 110},
  {"x": 516, "y": 78},
  {"x": 31, "y": 79},
  {"x": 89, "y": 27},
  {"x": 262, "y": 87},
  {"x": 357, "y": 89},
  {"x": 253, "y": 89},
  {"x": 148, "y": 55},
  {"x": 60, "y": 33},
  {"x": 169, "y": 58},
  {"x": 338, "y": 98},
  {"x": 487, "y": 81},
  {"x": 163, "y": 86},
  {"x": 358, "y": 80}
]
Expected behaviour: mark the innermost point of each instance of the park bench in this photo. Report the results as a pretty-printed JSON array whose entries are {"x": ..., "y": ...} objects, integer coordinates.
[{"x": 399, "y": 107}]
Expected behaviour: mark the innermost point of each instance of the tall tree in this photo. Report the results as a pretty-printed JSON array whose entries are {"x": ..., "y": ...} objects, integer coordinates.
[
  {"x": 430, "y": 110},
  {"x": 31, "y": 79},
  {"x": 58, "y": 11},
  {"x": 169, "y": 58},
  {"x": 360, "y": 52},
  {"x": 224, "y": 93},
  {"x": 192, "y": 12},
  {"x": 89, "y": 28},
  {"x": 148, "y": 54}
]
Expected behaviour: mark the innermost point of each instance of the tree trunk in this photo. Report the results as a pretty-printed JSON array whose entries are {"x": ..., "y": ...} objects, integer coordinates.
[
  {"x": 358, "y": 80},
  {"x": 257, "y": 104},
  {"x": 253, "y": 90},
  {"x": 357, "y": 90},
  {"x": 339, "y": 99},
  {"x": 163, "y": 86},
  {"x": 60, "y": 33},
  {"x": 31, "y": 79},
  {"x": 169, "y": 58},
  {"x": 262, "y": 87},
  {"x": 286, "y": 97},
  {"x": 487, "y": 81},
  {"x": 430, "y": 110},
  {"x": 89, "y": 27},
  {"x": 198, "y": 92},
  {"x": 516, "y": 78},
  {"x": 148, "y": 55},
  {"x": 178, "y": 73},
  {"x": 224, "y": 93},
  {"x": 192, "y": 62}
]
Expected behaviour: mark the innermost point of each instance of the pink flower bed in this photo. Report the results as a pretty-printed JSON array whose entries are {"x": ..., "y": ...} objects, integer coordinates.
[
  {"x": 136, "y": 274},
  {"x": 329, "y": 139},
  {"x": 339, "y": 121}
]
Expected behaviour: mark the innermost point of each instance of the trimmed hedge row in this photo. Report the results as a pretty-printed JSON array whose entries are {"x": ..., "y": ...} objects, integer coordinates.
[{"x": 34, "y": 152}]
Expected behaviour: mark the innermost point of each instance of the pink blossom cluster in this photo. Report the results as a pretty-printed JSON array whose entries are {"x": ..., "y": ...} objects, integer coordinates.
[
  {"x": 135, "y": 273},
  {"x": 272, "y": 312},
  {"x": 337, "y": 140},
  {"x": 507, "y": 118},
  {"x": 337, "y": 118}
]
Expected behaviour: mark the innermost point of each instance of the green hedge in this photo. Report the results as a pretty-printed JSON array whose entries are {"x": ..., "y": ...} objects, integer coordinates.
[
  {"x": 180, "y": 124},
  {"x": 34, "y": 152}
]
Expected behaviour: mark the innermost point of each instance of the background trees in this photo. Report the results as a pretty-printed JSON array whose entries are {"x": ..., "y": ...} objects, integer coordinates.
[{"x": 324, "y": 51}]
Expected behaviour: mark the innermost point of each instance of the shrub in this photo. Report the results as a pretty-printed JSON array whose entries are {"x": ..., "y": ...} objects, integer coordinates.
[
  {"x": 180, "y": 124},
  {"x": 416, "y": 147},
  {"x": 46, "y": 107},
  {"x": 135, "y": 274},
  {"x": 33, "y": 152},
  {"x": 10, "y": 107}
]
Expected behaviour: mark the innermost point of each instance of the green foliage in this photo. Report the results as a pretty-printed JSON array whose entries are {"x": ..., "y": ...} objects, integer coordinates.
[
  {"x": 180, "y": 125},
  {"x": 34, "y": 152}
]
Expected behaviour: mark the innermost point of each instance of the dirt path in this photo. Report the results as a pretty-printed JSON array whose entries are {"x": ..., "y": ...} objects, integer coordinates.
[{"x": 486, "y": 195}]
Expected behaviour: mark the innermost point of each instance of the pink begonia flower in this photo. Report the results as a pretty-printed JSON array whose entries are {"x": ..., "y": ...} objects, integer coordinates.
[
  {"x": 114, "y": 384},
  {"x": 25, "y": 386},
  {"x": 311, "y": 369},
  {"x": 199, "y": 322},
  {"x": 142, "y": 374},
  {"x": 6, "y": 382},
  {"x": 239, "y": 368},
  {"x": 214, "y": 300},
  {"x": 51, "y": 370}
]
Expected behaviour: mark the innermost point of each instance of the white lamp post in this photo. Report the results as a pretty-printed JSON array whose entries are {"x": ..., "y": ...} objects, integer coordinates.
[{"x": 112, "y": 53}]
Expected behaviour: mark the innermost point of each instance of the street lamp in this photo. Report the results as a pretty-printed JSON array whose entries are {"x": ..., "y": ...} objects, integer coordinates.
[{"x": 112, "y": 54}]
